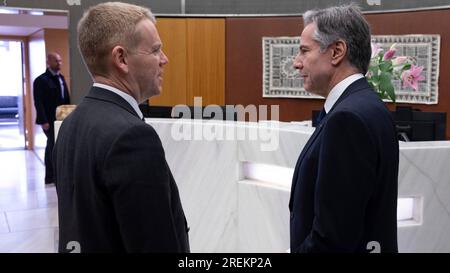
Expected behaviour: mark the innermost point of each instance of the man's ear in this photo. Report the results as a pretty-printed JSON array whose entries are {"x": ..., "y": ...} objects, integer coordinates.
[
  {"x": 120, "y": 58},
  {"x": 339, "y": 50}
]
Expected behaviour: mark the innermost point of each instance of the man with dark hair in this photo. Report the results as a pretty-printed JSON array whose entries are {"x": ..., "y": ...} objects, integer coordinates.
[
  {"x": 344, "y": 188},
  {"x": 49, "y": 91}
]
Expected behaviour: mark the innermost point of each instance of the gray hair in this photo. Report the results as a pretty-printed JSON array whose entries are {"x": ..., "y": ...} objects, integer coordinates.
[
  {"x": 346, "y": 23},
  {"x": 106, "y": 25}
]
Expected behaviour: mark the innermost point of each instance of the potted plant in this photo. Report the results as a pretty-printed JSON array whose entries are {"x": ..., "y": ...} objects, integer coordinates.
[{"x": 384, "y": 68}]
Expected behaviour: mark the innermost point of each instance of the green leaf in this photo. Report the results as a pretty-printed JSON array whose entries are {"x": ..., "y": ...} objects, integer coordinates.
[
  {"x": 374, "y": 79},
  {"x": 374, "y": 71},
  {"x": 386, "y": 85},
  {"x": 406, "y": 67},
  {"x": 385, "y": 79},
  {"x": 380, "y": 56},
  {"x": 386, "y": 66},
  {"x": 391, "y": 92},
  {"x": 382, "y": 96}
]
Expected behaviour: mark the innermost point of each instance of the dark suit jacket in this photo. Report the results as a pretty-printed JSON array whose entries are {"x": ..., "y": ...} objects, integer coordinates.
[
  {"x": 47, "y": 96},
  {"x": 344, "y": 188},
  {"x": 115, "y": 190}
]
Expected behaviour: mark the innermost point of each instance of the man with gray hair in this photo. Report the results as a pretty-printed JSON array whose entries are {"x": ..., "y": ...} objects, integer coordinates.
[
  {"x": 344, "y": 188},
  {"x": 116, "y": 192}
]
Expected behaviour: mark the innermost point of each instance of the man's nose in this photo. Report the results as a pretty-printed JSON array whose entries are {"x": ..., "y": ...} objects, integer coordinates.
[
  {"x": 164, "y": 58},
  {"x": 298, "y": 64}
]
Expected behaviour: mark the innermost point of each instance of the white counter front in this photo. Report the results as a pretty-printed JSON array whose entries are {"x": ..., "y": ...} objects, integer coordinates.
[{"x": 229, "y": 212}]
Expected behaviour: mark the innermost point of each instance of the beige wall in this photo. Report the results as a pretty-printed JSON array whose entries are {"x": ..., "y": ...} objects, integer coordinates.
[{"x": 57, "y": 40}]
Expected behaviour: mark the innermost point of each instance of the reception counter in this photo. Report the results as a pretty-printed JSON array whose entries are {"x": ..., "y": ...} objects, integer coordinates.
[{"x": 231, "y": 207}]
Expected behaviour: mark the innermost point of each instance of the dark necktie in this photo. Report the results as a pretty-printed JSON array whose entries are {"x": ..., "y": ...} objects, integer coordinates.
[
  {"x": 61, "y": 85},
  {"x": 321, "y": 115}
]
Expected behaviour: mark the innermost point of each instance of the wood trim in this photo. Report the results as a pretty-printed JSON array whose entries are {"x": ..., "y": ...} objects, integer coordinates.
[
  {"x": 27, "y": 98},
  {"x": 12, "y": 38}
]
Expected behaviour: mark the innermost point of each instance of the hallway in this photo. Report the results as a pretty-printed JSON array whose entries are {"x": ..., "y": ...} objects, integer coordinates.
[{"x": 28, "y": 208}]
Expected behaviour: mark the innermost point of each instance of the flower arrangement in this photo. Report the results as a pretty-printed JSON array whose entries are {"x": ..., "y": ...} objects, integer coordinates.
[{"x": 384, "y": 68}]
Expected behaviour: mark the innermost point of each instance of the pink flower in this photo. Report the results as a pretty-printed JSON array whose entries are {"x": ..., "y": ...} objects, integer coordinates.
[
  {"x": 391, "y": 52},
  {"x": 376, "y": 49},
  {"x": 399, "y": 60},
  {"x": 412, "y": 76},
  {"x": 388, "y": 55}
]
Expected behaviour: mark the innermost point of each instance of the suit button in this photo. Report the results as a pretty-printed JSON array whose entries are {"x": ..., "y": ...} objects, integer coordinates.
[{"x": 292, "y": 215}]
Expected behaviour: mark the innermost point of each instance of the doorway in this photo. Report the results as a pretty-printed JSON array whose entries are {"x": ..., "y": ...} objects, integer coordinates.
[
  {"x": 11, "y": 95},
  {"x": 30, "y": 34}
]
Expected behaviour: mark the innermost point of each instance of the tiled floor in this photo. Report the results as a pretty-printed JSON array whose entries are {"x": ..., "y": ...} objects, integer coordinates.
[
  {"x": 28, "y": 208},
  {"x": 11, "y": 137}
]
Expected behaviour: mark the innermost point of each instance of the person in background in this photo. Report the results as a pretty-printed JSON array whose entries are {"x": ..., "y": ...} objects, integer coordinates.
[
  {"x": 116, "y": 192},
  {"x": 50, "y": 91},
  {"x": 345, "y": 183}
]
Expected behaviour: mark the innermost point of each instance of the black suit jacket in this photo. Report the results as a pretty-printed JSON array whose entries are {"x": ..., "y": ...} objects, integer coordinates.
[
  {"x": 344, "y": 188},
  {"x": 115, "y": 190},
  {"x": 47, "y": 96}
]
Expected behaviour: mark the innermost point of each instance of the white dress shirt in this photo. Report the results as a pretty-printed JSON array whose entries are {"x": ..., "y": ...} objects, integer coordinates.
[
  {"x": 124, "y": 95},
  {"x": 61, "y": 83},
  {"x": 338, "y": 89}
]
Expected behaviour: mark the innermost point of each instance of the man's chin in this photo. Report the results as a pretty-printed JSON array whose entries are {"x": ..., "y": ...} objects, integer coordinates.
[
  {"x": 308, "y": 89},
  {"x": 157, "y": 92},
  {"x": 313, "y": 92}
]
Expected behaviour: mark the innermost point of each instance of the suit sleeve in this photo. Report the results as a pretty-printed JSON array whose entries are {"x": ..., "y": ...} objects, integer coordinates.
[
  {"x": 139, "y": 183},
  {"x": 345, "y": 182},
  {"x": 39, "y": 97}
]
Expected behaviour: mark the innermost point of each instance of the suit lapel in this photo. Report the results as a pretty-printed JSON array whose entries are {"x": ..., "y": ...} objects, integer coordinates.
[
  {"x": 55, "y": 80},
  {"x": 300, "y": 158},
  {"x": 356, "y": 86}
]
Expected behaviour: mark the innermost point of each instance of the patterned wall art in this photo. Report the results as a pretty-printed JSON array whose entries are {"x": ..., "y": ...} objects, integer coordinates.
[{"x": 282, "y": 80}]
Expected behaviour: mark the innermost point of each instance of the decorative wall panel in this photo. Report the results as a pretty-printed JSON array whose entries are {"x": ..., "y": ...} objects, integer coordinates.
[{"x": 280, "y": 78}]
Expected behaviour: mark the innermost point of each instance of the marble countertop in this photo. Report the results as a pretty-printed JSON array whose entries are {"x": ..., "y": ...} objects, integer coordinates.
[{"x": 228, "y": 212}]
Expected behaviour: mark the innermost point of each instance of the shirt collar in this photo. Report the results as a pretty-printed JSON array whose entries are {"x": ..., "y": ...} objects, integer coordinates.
[
  {"x": 124, "y": 95},
  {"x": 338, "y": 89},
  {"x": 53, "y": 72}
]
